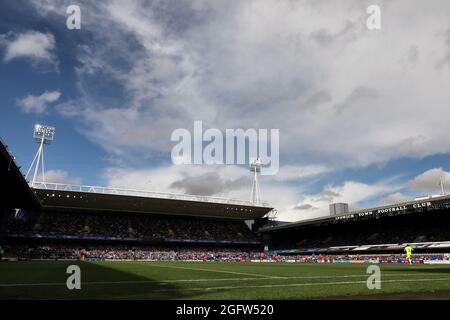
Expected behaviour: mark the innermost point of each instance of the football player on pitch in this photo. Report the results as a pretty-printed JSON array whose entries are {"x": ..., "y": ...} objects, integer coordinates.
[{"x": 409, "y": 250}]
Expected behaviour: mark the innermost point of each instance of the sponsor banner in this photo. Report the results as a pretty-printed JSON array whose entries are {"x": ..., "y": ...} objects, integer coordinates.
[
  {"x": 133, "y": 239},
  {"x": 76, "y": 237},
  {"x": 341, "y": 261},
  {"x": 401, "y": 261},
  {"x": 289, "y": 251},
  {"x": 373, "y": 261},
  {"x": 357, "y": 261},
  {"x": 436, "y": 262},
  {"x": 210, "y": 241}
]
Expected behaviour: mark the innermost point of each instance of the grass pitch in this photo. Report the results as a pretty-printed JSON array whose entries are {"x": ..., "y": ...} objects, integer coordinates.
[{"x": 213, "y": 280}]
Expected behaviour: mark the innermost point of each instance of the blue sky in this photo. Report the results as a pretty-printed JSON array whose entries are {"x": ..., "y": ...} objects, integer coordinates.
[{"x": 363, "y": 115}]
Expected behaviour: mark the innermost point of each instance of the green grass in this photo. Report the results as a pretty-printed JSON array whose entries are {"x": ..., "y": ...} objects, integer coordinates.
[{"x": 208, "y": 280}]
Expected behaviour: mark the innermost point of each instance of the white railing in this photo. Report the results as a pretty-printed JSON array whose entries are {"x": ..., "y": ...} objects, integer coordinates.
[{"x": 139, "y": 193}]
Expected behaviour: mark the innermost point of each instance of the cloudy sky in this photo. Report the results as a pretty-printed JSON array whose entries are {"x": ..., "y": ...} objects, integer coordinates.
[{"x": 363, "y": 114}]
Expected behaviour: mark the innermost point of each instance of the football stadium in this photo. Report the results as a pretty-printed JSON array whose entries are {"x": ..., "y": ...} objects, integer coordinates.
[
  {"x": 215, "y": 157},
  {"x": 131, "y": 244}
]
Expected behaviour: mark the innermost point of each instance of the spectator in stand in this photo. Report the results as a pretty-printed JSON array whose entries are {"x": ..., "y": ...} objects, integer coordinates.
[
  {"x": 83, "y": 225},
  {"x": 61, "y": 252}
]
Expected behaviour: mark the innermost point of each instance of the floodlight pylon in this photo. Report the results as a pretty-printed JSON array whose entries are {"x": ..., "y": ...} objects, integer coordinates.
[
  {"x": 43, "y": 135},
  {"x": 255, "y": 167},
  {"x": 441, "y": 183}
]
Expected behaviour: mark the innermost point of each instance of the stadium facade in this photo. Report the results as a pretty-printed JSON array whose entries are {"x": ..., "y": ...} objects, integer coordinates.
[
  {"x": 79, "y": 217},
  {"x": 58, "y": 221},
  {"x": 423, "y": 223}
]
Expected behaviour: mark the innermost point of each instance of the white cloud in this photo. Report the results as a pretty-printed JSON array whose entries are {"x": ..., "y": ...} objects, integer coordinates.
[
  {"x": 429, "y": 181},
  {"x": 174, "y": 178},
  {"x": 220, "y": 181},
  {"x": 34, "y": 45},
  {"x": 293, "y": 173},
  {"x": 396, "y": 197},
  {"x": 59, "y": 176},
  {"x": 38, "y": 104},
  {"x": 342, "y": 96},
  {"x": 301, "y": 67},
  {"x": 351, "y": 192}
]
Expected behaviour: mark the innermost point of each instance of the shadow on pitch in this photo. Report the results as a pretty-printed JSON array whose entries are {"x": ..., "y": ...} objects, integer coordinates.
[
  {"x": 98, "y": 281},
  {"x": 423, "y": 269}
]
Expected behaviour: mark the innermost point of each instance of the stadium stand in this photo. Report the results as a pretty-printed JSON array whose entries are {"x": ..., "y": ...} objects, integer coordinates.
[
  {"x": 14, "y": 193},
  {"x": 99, "y": 252},
  {"x": 67, "y": 224},
  {"x": 79, "y": 225},
  {"x": 362, "y": 258},
  {"x": 59, "y": 224},
  {"x": 383, "y": 229}
]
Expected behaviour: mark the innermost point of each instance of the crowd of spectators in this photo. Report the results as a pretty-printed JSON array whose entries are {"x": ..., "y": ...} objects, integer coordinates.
[
  {"x": 133, "y": 226},
  {"x": 390, "y": 230},
  {"x": 160, "y": 253},
  {"x": 355, "y": 258},
  {"x": 177, "y": 253}
]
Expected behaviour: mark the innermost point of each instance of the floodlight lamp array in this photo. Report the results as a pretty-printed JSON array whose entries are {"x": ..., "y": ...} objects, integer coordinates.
[
  {"x": 256, "y": 165},
  {"x": 43, "y": 133}
]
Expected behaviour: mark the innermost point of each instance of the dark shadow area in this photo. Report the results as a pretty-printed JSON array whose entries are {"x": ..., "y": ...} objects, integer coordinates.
[
  {"x": 423, "y": 269},
  {"x": 415, "y": 225},
  {"x": 423, "y": 295},
  {"x": 127, "y": 285}
]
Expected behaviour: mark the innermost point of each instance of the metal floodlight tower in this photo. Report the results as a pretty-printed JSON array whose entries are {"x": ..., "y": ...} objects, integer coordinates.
[
  {"x": 255, "y": 167},
  {"x": 43, "y": 135},
  {"x": 441, "y": 183}
]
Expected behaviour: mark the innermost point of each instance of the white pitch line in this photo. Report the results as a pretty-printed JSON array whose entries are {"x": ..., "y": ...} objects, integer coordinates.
[
  {"x": 294, "y": 285},
  {"x": 127, "y": 282},
  {"x": 220, "y": 271},
  {"x": 193, "y": 280}
]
